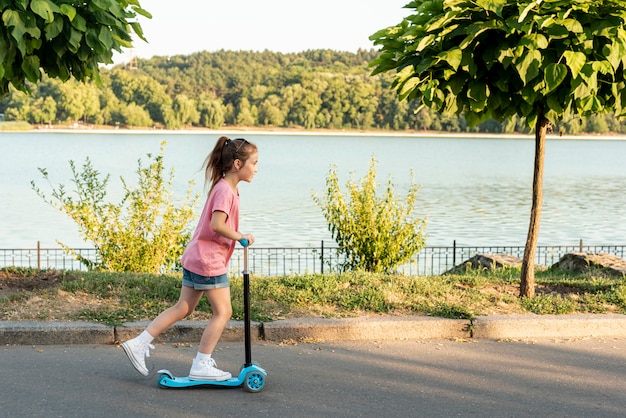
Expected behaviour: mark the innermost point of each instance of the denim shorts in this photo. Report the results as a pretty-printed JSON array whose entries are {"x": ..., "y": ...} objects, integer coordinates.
[{"x": 199, "y": 282}]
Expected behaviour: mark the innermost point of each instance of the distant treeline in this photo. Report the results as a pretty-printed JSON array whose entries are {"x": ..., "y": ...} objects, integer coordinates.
[{"x": 311, "y": 90}]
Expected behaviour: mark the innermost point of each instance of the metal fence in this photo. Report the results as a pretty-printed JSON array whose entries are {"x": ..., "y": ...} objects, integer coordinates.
[
  {"x": 46, "y": 258},
  {"x": 309, "y": 260}
]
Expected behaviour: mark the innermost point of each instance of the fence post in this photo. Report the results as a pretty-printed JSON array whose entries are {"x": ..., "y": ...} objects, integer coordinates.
[
  {"x": 38, "y": 255},
  {"x": 580, "y": 246},
  {"x": 322, "y": 259},
  {"x": 453, "y": 253}
]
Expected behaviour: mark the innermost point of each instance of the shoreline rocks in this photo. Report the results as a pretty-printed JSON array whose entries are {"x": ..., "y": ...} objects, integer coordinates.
[{"x": 571, "y": 262}]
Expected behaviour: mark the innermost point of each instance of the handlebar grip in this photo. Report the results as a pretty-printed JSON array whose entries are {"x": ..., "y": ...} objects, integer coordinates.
[{"x": 244, "y": 242}]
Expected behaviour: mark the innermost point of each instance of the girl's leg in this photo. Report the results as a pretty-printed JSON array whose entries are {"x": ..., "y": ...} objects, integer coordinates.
[
  {"x": 138, "y": 348},
  {"x": 203, "y": 366},
  {"x": 222, "y": 311},
  {"x": 187, "y": 302}
]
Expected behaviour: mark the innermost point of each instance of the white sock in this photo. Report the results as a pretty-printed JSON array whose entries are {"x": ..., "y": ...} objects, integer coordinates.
[
  {"x": 145, "y": 337},
  {"x": 201, "y": 356}
]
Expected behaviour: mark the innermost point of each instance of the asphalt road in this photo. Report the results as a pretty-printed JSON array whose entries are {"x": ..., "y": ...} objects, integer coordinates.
[{"x": 429, "y": 378}]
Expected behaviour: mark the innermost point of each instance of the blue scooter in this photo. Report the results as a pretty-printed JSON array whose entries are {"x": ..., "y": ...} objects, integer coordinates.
[{"x": 251, "y": 376}]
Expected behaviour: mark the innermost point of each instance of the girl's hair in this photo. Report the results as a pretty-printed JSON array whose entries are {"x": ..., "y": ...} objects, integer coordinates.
[{"x": 223, "y": 156}]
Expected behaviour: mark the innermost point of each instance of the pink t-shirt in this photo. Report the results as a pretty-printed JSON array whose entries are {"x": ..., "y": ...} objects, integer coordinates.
[{"x": 208, "y": 253}]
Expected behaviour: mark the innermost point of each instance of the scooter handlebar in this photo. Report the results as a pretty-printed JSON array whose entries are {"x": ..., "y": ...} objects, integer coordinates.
[{"x": 244, "y": 242}]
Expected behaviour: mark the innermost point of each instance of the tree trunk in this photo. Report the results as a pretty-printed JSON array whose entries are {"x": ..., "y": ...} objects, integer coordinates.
[{"x": 527, "y": 280}]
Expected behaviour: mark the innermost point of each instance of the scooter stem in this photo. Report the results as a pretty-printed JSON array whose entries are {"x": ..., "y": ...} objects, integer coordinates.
[{"x": 246, "y": 305}]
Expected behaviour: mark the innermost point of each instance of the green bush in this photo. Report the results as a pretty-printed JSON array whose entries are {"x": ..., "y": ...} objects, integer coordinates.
[
  {"x": 376, "y": 234},
  {"x": 145, "y": 232}
]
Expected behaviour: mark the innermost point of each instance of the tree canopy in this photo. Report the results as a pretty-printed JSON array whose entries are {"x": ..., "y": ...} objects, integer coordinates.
[
  {"x": 499, "y": 58},
  {"x": 62, "y": 38}
]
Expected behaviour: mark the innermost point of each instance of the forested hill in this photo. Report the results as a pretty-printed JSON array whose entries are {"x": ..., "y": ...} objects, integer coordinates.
[{"x": 316, "y": 89}]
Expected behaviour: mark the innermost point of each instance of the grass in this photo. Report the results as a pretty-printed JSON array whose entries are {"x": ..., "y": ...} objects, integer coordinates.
[
  {"x": 115, "y": 298},
  {"x": 15, "y": 126}
]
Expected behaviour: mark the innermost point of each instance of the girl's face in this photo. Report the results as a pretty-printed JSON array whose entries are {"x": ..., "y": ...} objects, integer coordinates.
[{"x": 249, "y": 169}]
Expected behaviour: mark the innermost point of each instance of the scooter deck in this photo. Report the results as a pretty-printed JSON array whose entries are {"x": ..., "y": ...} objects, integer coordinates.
[
  {"x": 167, "y": 379},
  {"x": 252, "y": 378}
]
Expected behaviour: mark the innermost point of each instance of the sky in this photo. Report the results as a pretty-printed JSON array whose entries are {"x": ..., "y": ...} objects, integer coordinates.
[{"x": 183, "y": 27}]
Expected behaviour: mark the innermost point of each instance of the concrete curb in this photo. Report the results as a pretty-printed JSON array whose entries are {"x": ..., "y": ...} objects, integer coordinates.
[
  {"x": 366, "y": 328},
  {"x": 547, "y": 326},
  {"x": 49, "y": 333},
  {"x": 320, "y": 329}
]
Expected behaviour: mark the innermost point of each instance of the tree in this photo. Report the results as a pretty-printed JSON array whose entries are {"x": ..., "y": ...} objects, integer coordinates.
[
  {"x": 335, "y": 103},
  {"x": 211, "y": 112},
  {"x": 270, "y": 113},
  {"x": 134, "y": 115},
  {"x": 494, "y": 59},
  {"x": 77, "y": 101},
  {"x": 141, "y": 90},
  {"x": 63, "y": 38},
  {"x": 375, "y": 233},
  {"x": 245, "y": 113},
  {"x": 109, "y": 106},
  {"x": 43, "y": 110},
  {"x": 362, "y": 104},
  {"x": 185, "y": 110},
  {"x": 19, "y": 107},
  {"x": 390, "y": 113}
]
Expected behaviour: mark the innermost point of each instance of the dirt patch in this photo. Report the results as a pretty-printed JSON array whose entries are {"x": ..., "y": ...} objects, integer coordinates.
[
  {"x": 35, "y": 280},
  {"x": 36, "y": 305}
]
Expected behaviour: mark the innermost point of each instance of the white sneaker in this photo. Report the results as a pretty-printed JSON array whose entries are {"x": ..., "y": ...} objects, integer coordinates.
[
  {"x": 137, "y": 353},
  {"x": 206, "y": 370}
]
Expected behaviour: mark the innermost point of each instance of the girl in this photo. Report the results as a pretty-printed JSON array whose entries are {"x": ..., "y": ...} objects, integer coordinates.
[{"x": 205, "y": 260}]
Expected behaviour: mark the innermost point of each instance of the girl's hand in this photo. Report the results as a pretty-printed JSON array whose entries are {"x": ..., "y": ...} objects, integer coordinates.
[{"x": 248, "y": 237}]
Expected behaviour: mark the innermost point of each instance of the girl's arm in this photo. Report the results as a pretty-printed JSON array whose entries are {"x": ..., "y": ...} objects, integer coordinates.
[{"x": 219, "y": 225}]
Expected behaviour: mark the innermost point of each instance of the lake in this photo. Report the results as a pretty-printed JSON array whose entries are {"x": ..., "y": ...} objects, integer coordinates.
[{"x": 474, "y": 190}]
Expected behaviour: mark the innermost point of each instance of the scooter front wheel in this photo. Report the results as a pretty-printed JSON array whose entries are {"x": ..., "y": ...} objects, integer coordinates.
[{"x": 254, "y": 381}]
